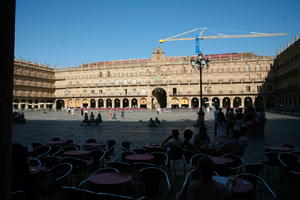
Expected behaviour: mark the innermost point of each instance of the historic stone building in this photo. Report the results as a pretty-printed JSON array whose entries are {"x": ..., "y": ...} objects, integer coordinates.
[
  {"x": 283, "y": 83},
  {"x": 33, "y": 85},
  {"x": 233, "y": 79}
]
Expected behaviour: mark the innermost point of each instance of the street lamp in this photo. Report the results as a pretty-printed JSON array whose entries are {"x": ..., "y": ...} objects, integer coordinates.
[{"x": 199, "y": 62}]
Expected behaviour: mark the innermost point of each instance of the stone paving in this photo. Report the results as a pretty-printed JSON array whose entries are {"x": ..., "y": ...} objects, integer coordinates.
[{"x": 41, "y": 127}]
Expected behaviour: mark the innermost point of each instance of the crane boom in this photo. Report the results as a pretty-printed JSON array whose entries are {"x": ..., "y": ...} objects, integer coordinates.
[{"x": 223, "y": 36}]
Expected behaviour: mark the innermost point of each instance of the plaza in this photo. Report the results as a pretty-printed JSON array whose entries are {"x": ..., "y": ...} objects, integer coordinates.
[{"x": 41, "y": 127}]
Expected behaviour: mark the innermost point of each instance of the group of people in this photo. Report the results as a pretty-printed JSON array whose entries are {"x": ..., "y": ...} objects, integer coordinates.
[
  {"x": 18, "y": 117},
  {"x": 113, "y": 114},
  {"x": 251, "y": 122},
  {"x": 90, "y": 120},
  {"x": 155, "y": 123}
]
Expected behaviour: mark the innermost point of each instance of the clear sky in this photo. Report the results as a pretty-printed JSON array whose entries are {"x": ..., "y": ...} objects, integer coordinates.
[{"x": 70, "y": 32}]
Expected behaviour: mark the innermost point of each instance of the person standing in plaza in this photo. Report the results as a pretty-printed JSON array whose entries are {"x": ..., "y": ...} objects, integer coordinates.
[
  {"x": 221, "y": 125},
  {"x": 81, "y": 111},
  {"x": 216, "y": 120},
  {"x": 114, "y": 116},
  {"x": 230, "y": 116},
  {"x": 122, "y": 114}
]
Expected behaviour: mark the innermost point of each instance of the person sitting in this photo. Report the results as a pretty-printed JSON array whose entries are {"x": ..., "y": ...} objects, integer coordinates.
[
  {"x": 92, "y": 118},
  {"x": 203, "y": 186},
  {"x": 86, "y": 119},
  {"x": 201, "y": 139},
  {"x": 152, "y": 123},
  {"x": 187, "y": 143},
  {"x": 98, "y": 119},
  {"x": 173, "y": 145},
  {"x": 157, "y": 122}
]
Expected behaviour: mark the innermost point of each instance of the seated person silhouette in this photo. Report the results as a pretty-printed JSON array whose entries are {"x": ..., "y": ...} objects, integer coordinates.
[
  {"x": 98, "y": 119},
  {"x": 152, "y": 123},
  {"x": 157, "y": 122},
  {"x": 86, "y": 119}
]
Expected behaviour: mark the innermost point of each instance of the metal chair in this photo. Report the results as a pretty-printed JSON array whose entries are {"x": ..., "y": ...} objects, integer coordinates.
[
  {"x": 161, "y": 159},
  {"x": 194, "y": 159},
  {"x": 121, "y": 166}
]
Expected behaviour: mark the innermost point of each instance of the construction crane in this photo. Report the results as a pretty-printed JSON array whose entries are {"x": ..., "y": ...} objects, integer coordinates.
[{"x": 218, "y": 36}]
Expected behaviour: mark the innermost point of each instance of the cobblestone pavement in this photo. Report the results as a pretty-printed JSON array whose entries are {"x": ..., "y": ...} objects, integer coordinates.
[{"x": 41, "y": 127}]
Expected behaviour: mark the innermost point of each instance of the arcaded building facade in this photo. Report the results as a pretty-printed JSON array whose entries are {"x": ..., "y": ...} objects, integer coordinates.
[
  {"x": 232, "y": 80},
  {"x": 284, "y": 78}
]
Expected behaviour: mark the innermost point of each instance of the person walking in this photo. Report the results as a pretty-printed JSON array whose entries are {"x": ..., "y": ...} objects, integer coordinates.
[
  {"x": 122, "y": 114},
  {"x": 114, "y": 116}
]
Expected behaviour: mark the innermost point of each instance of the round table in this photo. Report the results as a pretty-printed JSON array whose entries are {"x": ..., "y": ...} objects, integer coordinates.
[
  {"x": 94, "y": 144},
  {"x": 221, "y": 160},
  {"x": 58, "y": 142},
  {"x": 110, "y": 178},
  {"x": 139, "y": 157},
  {"x": 242, "y": 185},
  {"x": 78, "y": 154},
  {"x": 278, "y": 148}
]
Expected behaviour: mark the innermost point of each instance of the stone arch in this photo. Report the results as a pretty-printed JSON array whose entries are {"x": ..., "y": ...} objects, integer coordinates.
[
  {"x": 60, "y": 104},
  {"x": 195, "y": 102},
  {"x": 237, "y": 101},
  {"x": 108, "y": 103},
  {"x": 85, "y": 103},
  {"x": 93, "y": 103},
  {"x": 184, "y": 102},
  {"x": 160, "y": 95},
  {"x": 16, "y": 100},
  {"x": 226, "y": 102},
  {"x": 143, "y": 103},
  {"x": 134, "y": 103},
  {"x": 117, "y": 103},
  {"x": 205, "y": 102},
  {"x": 100, "y": 103},
  {"x": 248, "y": 101},
  {"x": 125, "y": 103},
  {"x": 174, "y": 103},
  {"x": 215, "y": 102}
]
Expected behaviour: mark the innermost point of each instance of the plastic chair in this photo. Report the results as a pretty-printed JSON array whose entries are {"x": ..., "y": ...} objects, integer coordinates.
[
  {"x": 125, "y": 146},
  {"x": 154, "y": 182},
  {"x": 70, "y": 147},
  {"x": 34, "y": 162},
  {"x": 250, "y": 168},
  {"x": 98, "y": 156},
  {"x": 111, "y": 144}
]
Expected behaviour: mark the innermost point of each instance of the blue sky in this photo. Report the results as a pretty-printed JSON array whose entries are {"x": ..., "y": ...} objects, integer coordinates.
[{"x": 70, "y": 32}]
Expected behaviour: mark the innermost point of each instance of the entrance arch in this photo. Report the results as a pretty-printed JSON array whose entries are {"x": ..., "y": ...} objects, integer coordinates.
[
  {"x": 226, "y": 102},
  {"x": 85, "y": 103},
  {"x": 117, "y": 103},
  {"x": 143, "y": 103},
  {"x": 195, "y": 102},
  {"x": 134, "y": 103},
  {"x": 248, "y": 101},
  {"x": 205, "y": 101},
  {"x": 216, "y": 102},
  {"x": 77, "y": 103},
  {"x": 174, "y": 103},
  {"x": 161, "y": 97},
  {"x": 93, "y": 103},
  {"x": 125, "y": 103},
  {"x": 184, "y": 102},
  {"x": 108, "y": 103},
  {"x": 100, "y": 103},
  {"x": 60, "y": 104},
  {"x": 237, "y": 101}
]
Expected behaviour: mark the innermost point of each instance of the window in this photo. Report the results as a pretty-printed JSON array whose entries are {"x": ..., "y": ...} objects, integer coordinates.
[
  {"x": 133, "y": 82},
  {"x": 174, "y": 90},
  {"x": 133, "y": 91},
  {"x": 125, "y": 82},
  {"x": 247, "y": 67},
  {"x": 100, "y": 91},
  {"x": 84, "y": 91},
  {"x": 125, "y": 90},
  {"x": 247, "y": 77},
  {"x": 117, "y": 82},
  {"x": 143, "y": 91},
  {"x": 108, "y": 74},
  {"x": 248, "y": 88},
  {"x": 258, "y": 67},
  {"x": 258, "y": 88},
  {"x": 258, "y": 76},
  {"x": 92, "y": 91}
]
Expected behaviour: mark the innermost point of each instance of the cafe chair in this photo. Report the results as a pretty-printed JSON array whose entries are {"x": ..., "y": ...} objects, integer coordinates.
[
  {"x": 256, "y": 191},
  {"x": 54, "y": 149},
  {"x": 194, "y": 159},
  {"x": 40, "y": 151},
  {"x": 126, "y": 146},
  {"x": 140, "y": 151},
  {"x": 287, "y": 160},
  {"x": 111, "y": 145},
  {"x": 137, "y": 166},
  {"x": 154, "y": 182},
  {"x": 98, "y": 156},
  {"x": 34, "y": 162},
  {"x": 98, "y": 171},
  {"x": 54, "y": 178},
  {"x": 272, "y": 163},
  {"x": 250, "y": 168},
  {"x": 49, "y": 161},
  {"x": 121, "y": 166},
  {"x": 74, "y": 193},
  {"x": 161, "y": 159}
]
